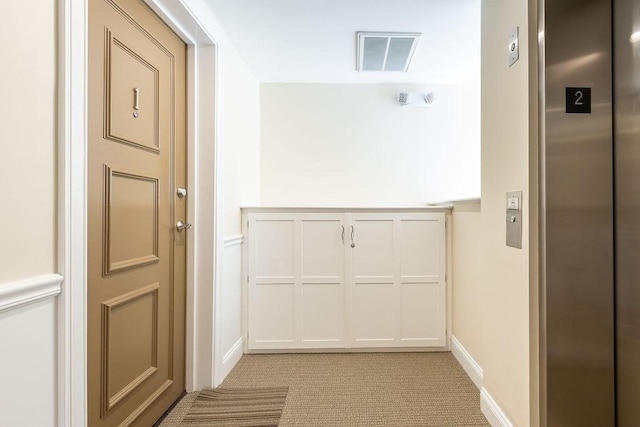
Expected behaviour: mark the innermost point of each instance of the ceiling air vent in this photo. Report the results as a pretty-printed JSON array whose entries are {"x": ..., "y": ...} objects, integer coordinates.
[{"x": 386, "y": 51}]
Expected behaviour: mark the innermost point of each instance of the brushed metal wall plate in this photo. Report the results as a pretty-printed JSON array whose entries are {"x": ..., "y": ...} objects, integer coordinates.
[
  {"x": 514, "y": 48},
  {"x": 514, "y": 219}
]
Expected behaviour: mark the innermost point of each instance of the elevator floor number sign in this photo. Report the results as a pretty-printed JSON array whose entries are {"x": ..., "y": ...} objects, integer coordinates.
[{"x": 578, "y": 100}]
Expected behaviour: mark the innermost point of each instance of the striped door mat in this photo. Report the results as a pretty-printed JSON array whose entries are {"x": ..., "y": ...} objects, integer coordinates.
[{"x": 237, "y": 407}]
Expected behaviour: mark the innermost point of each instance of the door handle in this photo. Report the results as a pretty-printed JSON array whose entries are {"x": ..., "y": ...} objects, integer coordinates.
[
  {"x": 182, "y": 226},
  {"x": 342, "y": 235},
  {"x": 136, "y": 98},
  {"x": 353, "y": 234}
]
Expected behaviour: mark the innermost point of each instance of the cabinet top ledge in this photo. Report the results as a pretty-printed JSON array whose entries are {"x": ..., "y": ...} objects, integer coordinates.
[{"x": 430, "y": 208}]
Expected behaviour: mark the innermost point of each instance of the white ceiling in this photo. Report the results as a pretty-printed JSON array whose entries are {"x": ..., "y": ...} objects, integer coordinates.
[{"x": 314, "y": 41}]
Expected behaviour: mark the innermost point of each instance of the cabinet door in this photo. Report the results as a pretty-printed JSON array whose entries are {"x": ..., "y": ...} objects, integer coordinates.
[
  {"x": 296, "y": 281},
  {"x": 322, "y": 281},
  {"x": 273, "y": 272},
  {"x": 397, "y": 286}
]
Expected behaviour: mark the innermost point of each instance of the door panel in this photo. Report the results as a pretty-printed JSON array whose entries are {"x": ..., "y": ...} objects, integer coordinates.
[
  {"x": 130, "y": 75},
  {"x": 577, "y": 358},
  {"x": 130, "y": 220},
  {"x": 136, "y": 258},
  {"x": 627, "y": 194}
]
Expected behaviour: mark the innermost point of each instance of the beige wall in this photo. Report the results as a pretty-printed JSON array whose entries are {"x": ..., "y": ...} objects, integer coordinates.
[
  {"x": 28, "y": 208},
  {"x": 27, "y": 135},
  {"x": 467, "y": 264},
  {"x": 240, "y": 137},
  {"x": 353, "y": 144},
  {"x": 495, "y": 293},
  {"x": 505, "y": 167}
]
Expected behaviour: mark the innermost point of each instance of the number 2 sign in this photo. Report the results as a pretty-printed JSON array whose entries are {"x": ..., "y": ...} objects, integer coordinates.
[{"x": 578, "y": 100}]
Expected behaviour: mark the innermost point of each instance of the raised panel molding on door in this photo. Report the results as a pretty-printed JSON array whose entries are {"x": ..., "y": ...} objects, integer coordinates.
[{"x": 336, "y": 279}]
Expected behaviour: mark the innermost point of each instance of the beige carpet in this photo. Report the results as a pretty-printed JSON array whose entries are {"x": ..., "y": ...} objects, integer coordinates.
[{"x": 360, "y": 389}]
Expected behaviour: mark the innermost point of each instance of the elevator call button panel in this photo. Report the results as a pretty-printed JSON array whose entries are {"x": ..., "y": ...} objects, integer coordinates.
[{"x": 514, "y": 219}]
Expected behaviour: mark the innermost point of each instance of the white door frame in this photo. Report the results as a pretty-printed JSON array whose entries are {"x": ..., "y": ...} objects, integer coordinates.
[{"x": 195, "y": 24}]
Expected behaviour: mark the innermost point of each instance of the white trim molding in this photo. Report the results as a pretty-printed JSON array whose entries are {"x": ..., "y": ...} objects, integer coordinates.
[
  {"x": 232, "y": 357},
  {"x": 233, "y": 240},
  {"x": 72, "y": 123},
  {"x": 468, "y": 363},
  {"x": 492, "y": 411},
  {"x": 28, "y": 291}
]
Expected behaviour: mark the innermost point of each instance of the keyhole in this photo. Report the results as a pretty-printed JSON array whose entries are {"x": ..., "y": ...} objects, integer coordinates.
[{"x": 135, "y": 114}]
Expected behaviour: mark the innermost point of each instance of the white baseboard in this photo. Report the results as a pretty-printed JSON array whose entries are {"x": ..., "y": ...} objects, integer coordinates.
[
  {"x": 467, "y": 362},
  {"x": 232, "y": 357},
  {"x": 233, "y": 240},
  {"x": 492, "y": 412},
  {"x": 23, "y": 292}
]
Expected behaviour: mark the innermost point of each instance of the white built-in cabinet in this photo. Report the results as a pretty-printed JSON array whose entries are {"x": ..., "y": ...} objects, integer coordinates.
[{"x": 336, "y": 279}]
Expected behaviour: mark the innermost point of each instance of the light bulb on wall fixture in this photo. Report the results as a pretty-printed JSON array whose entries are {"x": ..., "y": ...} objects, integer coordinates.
[{"x": 416, "y": 99}]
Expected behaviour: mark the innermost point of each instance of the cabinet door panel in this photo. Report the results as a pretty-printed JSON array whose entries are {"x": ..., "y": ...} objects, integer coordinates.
[
  {"x": 422, "y": 314},
  {"x": 373, "y": 252},
  {"x": 373, "y": 314},
  {"x": 323, "y": 314},
  {"x": 272, "y": 313},
  {"x": 421, "y": 247},
  {"x": 275, "y": 248},
  {"x": 322, "y": 256}
]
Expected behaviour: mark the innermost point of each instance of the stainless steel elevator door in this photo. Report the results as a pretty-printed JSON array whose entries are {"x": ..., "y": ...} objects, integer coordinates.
[
  {"x": 627, "y": 196},
  {"x": 577, "y": 185}
]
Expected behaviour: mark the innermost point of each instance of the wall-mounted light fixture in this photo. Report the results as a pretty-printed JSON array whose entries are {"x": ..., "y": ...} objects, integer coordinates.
[{"x": 416, "y": 99}]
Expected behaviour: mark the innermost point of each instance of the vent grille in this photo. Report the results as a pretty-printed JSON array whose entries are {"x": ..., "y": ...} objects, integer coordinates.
[{"x": 386, "y": 51}]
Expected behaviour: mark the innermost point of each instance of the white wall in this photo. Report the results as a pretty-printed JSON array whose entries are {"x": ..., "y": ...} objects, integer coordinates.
[
  {"x": 28, "y": 176},
  {"x": 333, "y": 144},
  {"x": 28, "y": 365},
  {"x": 239, "y": 139},
  {"x": 492, "y": 281}
]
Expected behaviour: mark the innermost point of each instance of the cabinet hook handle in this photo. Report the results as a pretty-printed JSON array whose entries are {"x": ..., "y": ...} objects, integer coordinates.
[
  {"x": 342, "y": 235},
  {"x": 353, "y": 233}
]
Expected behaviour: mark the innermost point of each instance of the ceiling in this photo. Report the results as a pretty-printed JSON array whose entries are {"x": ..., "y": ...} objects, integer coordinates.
[{"x": 314, "y": 41}]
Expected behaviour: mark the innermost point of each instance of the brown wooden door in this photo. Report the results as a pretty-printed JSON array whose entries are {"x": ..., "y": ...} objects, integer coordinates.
[{"x": 136, "y": 257}]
